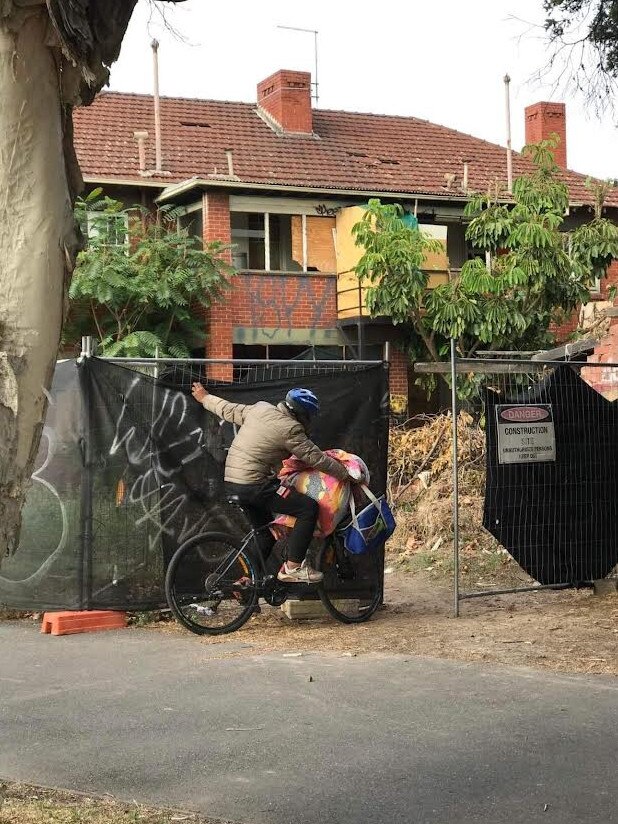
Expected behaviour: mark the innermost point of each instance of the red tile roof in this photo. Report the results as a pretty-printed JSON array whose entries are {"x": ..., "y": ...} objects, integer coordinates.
[{"x": 350, "y": 150}]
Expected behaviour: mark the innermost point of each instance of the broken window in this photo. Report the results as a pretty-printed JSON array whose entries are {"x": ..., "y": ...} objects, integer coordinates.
[
  {"x": 282, "y": 243},
  {"x": 192, "y": 223},
  {"x": 313, "y": 242},
  {"x": 248, "y": 240},
  {"x": 108, "y": 229}
]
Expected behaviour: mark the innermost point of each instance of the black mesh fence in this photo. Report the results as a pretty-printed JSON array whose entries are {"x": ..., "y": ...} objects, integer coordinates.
[
  {"x": 136, "y": 468},
  {"x": 551, "y": 482},
  {"x": 46, "y": 571}
]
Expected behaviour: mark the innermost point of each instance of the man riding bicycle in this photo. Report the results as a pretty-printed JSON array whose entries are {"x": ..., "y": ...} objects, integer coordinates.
[{"x": 268, "y": 434}]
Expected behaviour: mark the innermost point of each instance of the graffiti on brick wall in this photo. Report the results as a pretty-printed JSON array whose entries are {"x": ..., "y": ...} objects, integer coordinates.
[{"x": 290, "y": 302}]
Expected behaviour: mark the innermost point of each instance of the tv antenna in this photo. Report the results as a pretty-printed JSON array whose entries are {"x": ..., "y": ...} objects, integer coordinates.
[{"x": 315, "y": 84}]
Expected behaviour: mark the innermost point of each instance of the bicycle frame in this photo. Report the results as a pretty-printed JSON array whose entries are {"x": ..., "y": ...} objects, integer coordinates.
[
  {"x": 248, "y": 538},
  {"x": 252, "y": 536}
]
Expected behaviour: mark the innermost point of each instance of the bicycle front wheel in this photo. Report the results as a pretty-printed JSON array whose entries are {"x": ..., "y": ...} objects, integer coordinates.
[
  {"x": 211, "y": 585},
  {"x": 352, "y": 587}
]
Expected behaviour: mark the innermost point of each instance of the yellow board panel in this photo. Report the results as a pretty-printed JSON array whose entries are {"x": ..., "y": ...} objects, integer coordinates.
[
  {"x": 351, "y": 302},
  {"x": 437, "y": 279},
  {"x": 348, "y": 253}
]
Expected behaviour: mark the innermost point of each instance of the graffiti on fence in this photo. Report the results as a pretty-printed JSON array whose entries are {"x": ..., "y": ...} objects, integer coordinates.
[
  {"x": 161, "y": 456},
  {"x": 48, "y": 444}
]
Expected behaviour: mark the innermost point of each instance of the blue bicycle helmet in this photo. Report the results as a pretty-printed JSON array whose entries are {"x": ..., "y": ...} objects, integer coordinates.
[{"x": 303, "y": 403}]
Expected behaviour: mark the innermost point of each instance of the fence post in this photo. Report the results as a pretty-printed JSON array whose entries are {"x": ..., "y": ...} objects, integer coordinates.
[
  {"x": 85, "y": 571},
  {"x": 455, "y": 481},
  {"x": 153, "y": 466}
]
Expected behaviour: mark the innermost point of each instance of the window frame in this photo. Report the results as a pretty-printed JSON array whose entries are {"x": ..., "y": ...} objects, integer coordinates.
[
  {"x": 92, "y": 232},
  {"x": 304, "y": 263}
]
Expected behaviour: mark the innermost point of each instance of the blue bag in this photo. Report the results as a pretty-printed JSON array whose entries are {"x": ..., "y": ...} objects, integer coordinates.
[{"x": 371, "y": 527}]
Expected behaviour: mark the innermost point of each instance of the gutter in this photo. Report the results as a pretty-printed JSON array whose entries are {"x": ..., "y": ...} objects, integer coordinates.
[
  {"x": 177, "y": 189},
  {"x": 119, "y": 181}
]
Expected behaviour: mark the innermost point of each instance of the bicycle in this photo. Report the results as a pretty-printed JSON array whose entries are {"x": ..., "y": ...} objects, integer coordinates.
[{"x": 214, "y": 582}]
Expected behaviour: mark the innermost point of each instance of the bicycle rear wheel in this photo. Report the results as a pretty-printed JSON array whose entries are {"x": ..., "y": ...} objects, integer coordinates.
[
  {"x": 352, "y": 587},
  {"x": 211, "y": 585}
]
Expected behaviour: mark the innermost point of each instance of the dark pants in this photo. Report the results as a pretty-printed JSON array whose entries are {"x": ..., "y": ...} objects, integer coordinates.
[{"x": 261, "y": 501}]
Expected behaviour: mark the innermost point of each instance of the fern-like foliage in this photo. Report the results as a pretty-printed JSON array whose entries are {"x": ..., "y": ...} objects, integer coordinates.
[{"x": 143, "y": 284}]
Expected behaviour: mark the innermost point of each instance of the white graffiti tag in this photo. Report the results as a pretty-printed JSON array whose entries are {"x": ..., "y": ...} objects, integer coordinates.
[{"x": 159, "y": 491}]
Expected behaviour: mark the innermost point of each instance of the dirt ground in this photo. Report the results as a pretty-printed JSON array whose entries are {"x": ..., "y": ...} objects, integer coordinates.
[
  {"x": 21, "y": 804},
  {"x": 566, "y": 631}
]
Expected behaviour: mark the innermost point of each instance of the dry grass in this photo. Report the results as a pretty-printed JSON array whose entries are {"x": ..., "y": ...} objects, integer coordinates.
[
  {"x": 420, "y": 468},
  {"x": 13, "y": 614},
  {"x": 21, "y": 804},
  {"x": 427, "y": 450}
]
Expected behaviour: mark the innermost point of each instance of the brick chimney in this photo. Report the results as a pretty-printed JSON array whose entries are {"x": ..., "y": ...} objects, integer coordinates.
[
  {"x": 286, "y": 98},
  {"x": 544, "y": 118}
]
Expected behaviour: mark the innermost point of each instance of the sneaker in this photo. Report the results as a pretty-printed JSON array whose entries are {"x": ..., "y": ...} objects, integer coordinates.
[{"x": 300, "y": 575}]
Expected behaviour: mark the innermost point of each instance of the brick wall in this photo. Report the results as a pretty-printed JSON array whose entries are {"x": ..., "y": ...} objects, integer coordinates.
[
  {"x": 216, "y": 206},
  {"x": 261, "y": 300},
  {"x": 273, "y": 301},
  {"x": 564, "y": 331},
  {"x": 219, "y": 319},
  {"x": 545, "y": 119},
  {"x": 283, "y": 301},
  {"x": 610, "y": 280},
  {"x": 398, "y": 372}
]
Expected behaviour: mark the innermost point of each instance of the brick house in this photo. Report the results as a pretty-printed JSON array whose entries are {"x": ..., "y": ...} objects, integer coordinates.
[{"x": 284, "y": 182}]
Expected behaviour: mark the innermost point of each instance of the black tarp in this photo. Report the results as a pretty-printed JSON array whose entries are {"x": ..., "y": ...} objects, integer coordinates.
[
  {"x": 45, "y": 572},
  {"x": 137, "y": 466},
  {"x": 557, "y": 518}
]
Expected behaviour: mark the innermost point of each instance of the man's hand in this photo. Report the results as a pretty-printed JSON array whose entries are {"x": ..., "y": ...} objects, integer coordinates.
[{"x": 198, "y": 392}]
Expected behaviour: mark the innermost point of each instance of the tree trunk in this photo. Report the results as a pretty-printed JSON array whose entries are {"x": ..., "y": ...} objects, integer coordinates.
[{"x": 37, "y": 242}]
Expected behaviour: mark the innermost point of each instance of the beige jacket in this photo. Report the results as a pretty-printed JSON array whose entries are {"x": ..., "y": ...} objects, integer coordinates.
[{"x": 268, "y": 434}]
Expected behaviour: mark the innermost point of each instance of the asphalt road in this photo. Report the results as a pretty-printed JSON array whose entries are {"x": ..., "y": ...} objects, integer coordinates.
[{"x": 161, "y": 719}]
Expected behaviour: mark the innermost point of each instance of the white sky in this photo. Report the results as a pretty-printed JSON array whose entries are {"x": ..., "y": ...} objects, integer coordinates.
[{"x": 442, "y": 60}]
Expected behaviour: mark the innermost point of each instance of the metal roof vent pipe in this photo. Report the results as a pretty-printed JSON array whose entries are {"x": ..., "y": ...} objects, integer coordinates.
[
  {"x": 141, "y": 138},
  {"x": 157, "y": 107},
  {"x": 509, "y": 145},
  {"x": 230, "y": 162},
  {"x": 464, "y": 182}
]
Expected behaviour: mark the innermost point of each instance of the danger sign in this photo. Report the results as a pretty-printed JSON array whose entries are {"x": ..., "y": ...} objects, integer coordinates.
[{"x": 525, "y": 433}]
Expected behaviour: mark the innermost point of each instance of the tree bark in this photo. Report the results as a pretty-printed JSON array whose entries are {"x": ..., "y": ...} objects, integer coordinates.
[
  {"x": 54, "y": 55},
  {"x": 37, "y": 241}
]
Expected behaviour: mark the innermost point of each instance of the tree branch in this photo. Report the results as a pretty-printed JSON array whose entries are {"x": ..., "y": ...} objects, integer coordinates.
[
  {"x": 96, "y": 320},
  {"x": 428, "y": 339}
]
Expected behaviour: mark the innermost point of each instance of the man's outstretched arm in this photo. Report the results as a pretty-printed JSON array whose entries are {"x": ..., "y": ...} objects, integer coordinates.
[{"x": 228, "y": 411}]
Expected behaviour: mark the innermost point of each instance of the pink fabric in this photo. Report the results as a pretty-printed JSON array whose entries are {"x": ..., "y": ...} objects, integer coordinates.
[{"x": 331, "y": 494}]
